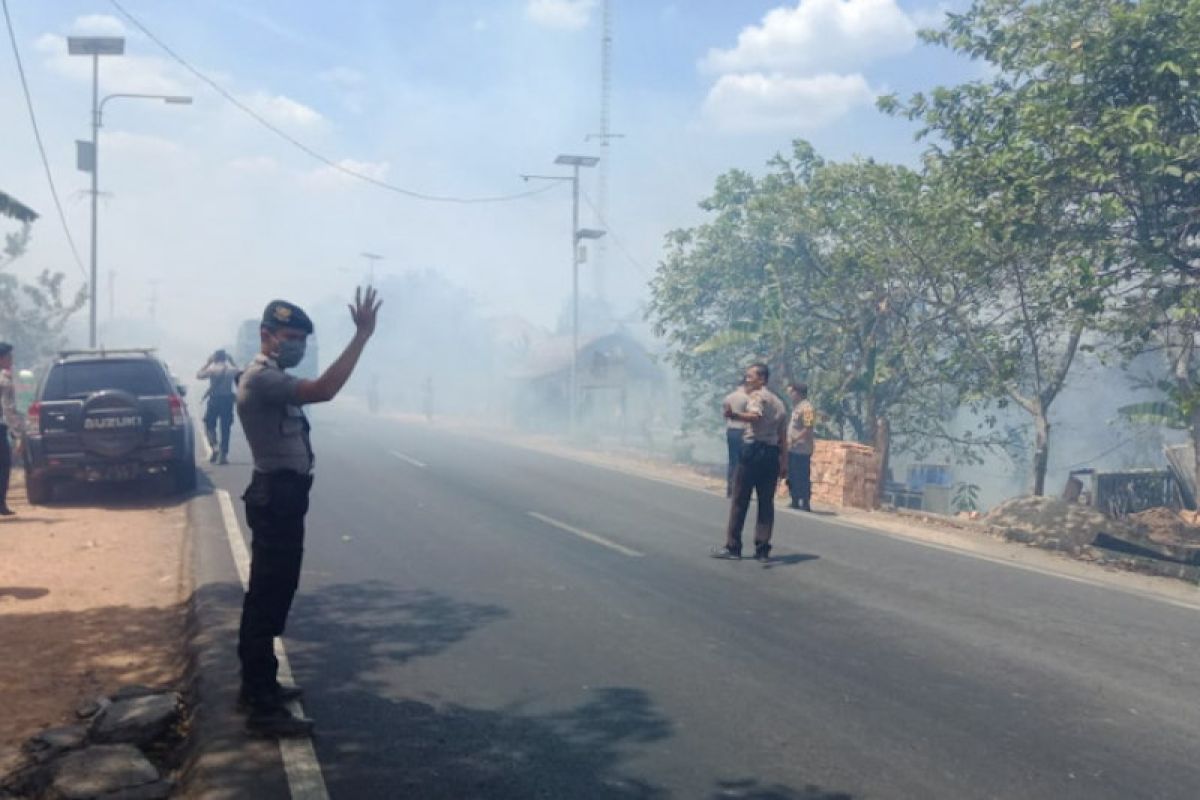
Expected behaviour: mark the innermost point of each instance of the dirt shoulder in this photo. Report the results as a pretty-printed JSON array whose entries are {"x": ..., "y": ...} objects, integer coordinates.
[{"x": 92, "y": 597}]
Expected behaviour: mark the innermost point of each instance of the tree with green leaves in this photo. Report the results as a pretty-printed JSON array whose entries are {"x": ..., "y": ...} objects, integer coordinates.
[
  {"x": 33, "y": 314},
  {"x": 804, "y": 268},
  {"x": 1079, "y": 154}
]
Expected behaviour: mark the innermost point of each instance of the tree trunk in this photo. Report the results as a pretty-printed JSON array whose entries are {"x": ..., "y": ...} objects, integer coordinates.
[
  {"x": 1041, "y": 451},
  {"x": 1196, "y": 448},
  {"x": 883, "y": 447}
]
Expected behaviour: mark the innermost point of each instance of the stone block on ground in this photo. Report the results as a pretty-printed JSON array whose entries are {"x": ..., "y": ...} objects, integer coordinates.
[
  {"x": 92, "y": 707},
  {"x": 53, "y": 741},
  {"x": 137, "y": 720},
  {"x": 135, "y": 690},
  {"x": 102, "y": 771}
]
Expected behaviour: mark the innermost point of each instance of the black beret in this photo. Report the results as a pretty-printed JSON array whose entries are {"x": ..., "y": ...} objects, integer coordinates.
[{"x": 282, "y": 314}]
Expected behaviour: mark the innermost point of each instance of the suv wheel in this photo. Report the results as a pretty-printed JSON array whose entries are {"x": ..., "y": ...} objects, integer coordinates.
[{"x": 38, "y": 489}]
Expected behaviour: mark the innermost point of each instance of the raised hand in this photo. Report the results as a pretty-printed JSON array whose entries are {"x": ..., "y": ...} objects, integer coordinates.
[{"x": 364, "y": 310}]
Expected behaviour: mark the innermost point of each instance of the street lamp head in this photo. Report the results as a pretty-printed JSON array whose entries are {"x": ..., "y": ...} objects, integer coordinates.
[
  {"x": 180, "y": 100},
  {"x": 96, "y": 45},
  {"x": 577, "y": 161},
  {"x": 589, "y": 233}
]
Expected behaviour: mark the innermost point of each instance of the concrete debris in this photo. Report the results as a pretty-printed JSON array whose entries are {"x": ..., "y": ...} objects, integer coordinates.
[
  {"x": 102, "y": 771},
  {"x": 137, "y": 720}
]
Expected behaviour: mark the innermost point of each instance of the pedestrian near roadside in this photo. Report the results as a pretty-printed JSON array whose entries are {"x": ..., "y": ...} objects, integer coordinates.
[
  {"x": 13, "y": 424},
  {"x": 801, "y": 439},
  {"x": 762, "y": 463},
  {"x": 270, "y": 406},
  {"x": 221, "y": 374},
  {"x": 735, "y": 430}
]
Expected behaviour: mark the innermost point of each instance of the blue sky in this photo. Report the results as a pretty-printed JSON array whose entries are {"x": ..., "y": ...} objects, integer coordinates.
[{"x": 453, "y": 97}]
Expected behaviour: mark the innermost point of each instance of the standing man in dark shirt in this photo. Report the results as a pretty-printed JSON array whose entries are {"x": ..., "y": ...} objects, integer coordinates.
[
  {"x": 763, "y": 462},
  {"x": 269, "y": 404},
  {"x": 220, "y": 372}
]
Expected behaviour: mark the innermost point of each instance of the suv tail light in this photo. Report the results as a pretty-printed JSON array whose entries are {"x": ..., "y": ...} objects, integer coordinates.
[
  {"x": 33, "y": 417},
  {"x": 175, "y": 402}
]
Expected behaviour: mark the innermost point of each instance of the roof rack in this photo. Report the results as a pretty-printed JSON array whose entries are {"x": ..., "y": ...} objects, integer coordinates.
[{"x": 104, "y": 351}]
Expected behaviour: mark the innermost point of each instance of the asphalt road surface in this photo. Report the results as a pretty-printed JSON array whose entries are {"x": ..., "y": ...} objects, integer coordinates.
[{"x": 483, "y": 621}]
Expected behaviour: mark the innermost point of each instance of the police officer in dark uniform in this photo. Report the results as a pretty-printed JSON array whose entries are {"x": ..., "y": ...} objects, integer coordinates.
[{"x": 269, "y": 405}]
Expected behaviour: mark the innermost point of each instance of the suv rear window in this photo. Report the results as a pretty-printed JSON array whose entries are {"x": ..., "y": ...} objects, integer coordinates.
[{"x": 75, "y": 381}]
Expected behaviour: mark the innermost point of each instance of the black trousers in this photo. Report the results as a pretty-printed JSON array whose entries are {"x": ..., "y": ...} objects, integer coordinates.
[
  {"x": 757, "y": 473},
  {"x": 219, "y": 412},
  {"x": 5, "y": 465},
  {"x": 276, "y": 503},
  {"x": 800, "y": 477},
  {"x": 733, "y": 443}
]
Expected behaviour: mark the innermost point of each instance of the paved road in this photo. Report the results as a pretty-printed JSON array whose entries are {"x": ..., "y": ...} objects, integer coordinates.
[{"x": 482, "y": 621}]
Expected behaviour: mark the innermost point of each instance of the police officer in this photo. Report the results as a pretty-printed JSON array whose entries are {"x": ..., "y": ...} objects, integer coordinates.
[
  {"x": 269, "y": 405},
  {"x": 12, "y": 423},
  {"x": 762, "y": 463},
  {"x": 220, "y": 372},
  {"x": 735, "y": 431},
  {"x": 801, "y": 442}
]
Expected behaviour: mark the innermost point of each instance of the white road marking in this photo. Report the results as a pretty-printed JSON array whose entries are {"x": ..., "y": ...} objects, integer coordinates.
[
  {"x": 860, "y": 528},
  {"x": 591, "y": 537},
  {"x": 300, "y": 764},
  {"x": 409, "y": 459}
]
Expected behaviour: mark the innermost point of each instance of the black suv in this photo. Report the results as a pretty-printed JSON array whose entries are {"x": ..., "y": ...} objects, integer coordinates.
[{"x": 113, "y": 415}]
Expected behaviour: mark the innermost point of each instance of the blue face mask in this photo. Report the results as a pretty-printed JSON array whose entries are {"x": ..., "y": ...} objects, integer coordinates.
[{"x": 290, "y": 352}]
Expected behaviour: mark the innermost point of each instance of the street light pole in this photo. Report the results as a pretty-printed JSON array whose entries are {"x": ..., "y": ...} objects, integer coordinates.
[
  {"x": 575, "y": 162},
  {"x": 92, "y": 284},
  {"x": 577, "y": 234},
  {"x": 96, "y": 46}
]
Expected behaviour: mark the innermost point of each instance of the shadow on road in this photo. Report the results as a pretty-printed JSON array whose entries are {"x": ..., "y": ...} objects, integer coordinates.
[
  {"x": 345, "y": 641},
  {"x": 353, "y": 629},
  {"x": 789, "y": 560},
  {"x": 149, "y": 493}
]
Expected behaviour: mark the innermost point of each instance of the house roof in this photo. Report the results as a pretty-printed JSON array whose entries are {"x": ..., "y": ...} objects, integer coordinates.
[{"x": 553, "y": 356}]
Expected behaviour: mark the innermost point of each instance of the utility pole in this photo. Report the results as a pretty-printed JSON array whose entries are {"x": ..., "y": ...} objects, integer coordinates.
[
  {"x": 88, "y": 153},
  {"x": 599, "y": 264},
  {"x": 94, "y": 46},
  {"x": 112, "y": 295},
  {"x": 577, "y": 235}
]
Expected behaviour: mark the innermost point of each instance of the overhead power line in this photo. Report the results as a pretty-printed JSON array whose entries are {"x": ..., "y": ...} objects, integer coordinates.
[
  {"x": 610, "y": 234},
  {"x": 37, "y": 135},
  {"x": 301, "y": 146}
]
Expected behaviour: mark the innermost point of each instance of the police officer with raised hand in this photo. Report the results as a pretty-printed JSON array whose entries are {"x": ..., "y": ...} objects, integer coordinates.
[{"x": 269, "y": 405}]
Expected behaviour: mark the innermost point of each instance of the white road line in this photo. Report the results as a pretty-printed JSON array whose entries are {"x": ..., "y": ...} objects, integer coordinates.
[
  {"x": 300, "y": 764},
  {"x": 591, "y": 537},
  {"x": 869, "y": 529},
  {"x": 409, "y": 459}
]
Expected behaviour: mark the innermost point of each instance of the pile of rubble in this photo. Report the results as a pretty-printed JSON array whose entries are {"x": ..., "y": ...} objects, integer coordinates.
[
  {"x": 107, "y": 756},
  {"x": 1167, "y": 527},
  {"x": 1053, "y": 523}
]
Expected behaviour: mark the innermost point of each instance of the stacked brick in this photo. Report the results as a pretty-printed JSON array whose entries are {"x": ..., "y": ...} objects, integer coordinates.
[{"x": 844, "y": 474}]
